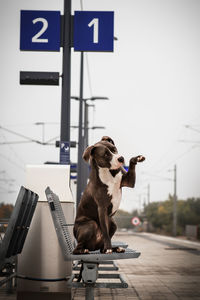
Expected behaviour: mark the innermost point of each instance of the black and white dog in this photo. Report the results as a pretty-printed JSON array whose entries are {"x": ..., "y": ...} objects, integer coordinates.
[{"x": 94, "y": 226}]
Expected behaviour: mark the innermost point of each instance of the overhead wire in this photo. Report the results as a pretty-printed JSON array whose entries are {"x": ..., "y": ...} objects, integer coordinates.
[
  {"x": 7, "y": 178},
  {"x": 12, "y": 149},
  {"x": 19, "y": 134},
  {"x": 27, "y": 139},
  {"x": 166, "y": 154},
  {"x": 192, "y": 128},
  {"x": 12, "y": 162},
  {"x": 177, "y": 158}
]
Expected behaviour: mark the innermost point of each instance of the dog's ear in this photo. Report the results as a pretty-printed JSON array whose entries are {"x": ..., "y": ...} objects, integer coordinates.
[
  {"x": 88, "y": 151},
  {"x": 108, "y": 139}
]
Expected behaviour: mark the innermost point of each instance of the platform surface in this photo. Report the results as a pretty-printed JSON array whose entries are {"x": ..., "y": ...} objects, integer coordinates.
[{"x": 168, "y": 269}]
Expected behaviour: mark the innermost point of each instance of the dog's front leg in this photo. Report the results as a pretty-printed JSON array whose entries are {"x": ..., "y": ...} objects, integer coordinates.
[
  {"x": 128, "y": 178},
  {"x": 104, "y": 224}
]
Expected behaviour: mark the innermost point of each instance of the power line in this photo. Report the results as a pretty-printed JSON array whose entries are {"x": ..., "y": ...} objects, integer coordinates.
[
  {"x": 172, "y": 147},
  {"x": 177, "y": 158},
  {"x": 14, "y": 142},
  {"x": 192, "y": 128},
  {"x": 157, "y": 176},
  {"x": 12, "y": 149},
  {"x": 12, "y": 162},
  {"x": 167, "y": 152},
  {"x": 187, "y": 141},
  {"x": 7, "y": 177},
  {"x": 19, "y": 134},
  {"x": 27, "y": 139}
]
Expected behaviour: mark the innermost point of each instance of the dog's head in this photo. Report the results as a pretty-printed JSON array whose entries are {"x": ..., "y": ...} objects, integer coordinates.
[{"x": 105, "y": 154}]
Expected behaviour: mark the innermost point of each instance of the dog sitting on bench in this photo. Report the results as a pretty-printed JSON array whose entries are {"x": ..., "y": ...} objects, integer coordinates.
[{"x": 94, "y": 225}]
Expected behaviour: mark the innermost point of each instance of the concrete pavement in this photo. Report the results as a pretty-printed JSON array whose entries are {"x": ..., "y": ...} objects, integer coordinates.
[{"x": 168, "y": 269}]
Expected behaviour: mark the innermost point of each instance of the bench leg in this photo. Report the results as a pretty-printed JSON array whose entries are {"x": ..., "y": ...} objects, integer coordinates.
[
  {"x": 89, "y": 293},
  {"x": 9, "y": 283},
  {"x": 89, "y": 276}
]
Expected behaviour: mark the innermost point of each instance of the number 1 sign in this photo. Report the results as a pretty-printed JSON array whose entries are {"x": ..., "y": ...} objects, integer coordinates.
[
  {"x": 40, "y": 30},
  {"x": 93, "y": 30}
]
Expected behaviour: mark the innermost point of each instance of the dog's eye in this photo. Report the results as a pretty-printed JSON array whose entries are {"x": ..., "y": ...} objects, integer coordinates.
[
  {"x": 115, "y": 150},
  {"x": 106, "y": 154}
]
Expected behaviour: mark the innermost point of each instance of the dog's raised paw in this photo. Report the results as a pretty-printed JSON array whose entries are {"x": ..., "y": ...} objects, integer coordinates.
[{"x": 140, "y": 158}]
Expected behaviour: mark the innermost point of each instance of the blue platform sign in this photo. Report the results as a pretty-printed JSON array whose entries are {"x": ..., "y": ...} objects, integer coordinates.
[
  {"x": 64, "y": 153},
  {"x": 93, "y": 30},
  {"x": 40, "y": 30}
]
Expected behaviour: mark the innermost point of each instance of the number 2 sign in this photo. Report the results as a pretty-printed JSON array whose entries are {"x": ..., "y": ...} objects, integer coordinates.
[
  {"x": 40, "y": 30},
  {"x": 93, "y": 30}
]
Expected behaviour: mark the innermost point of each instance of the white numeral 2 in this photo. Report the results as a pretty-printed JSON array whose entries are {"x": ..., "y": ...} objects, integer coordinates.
[
  {"x": 35, "y": 38},
  {"x": 95, "y": 22}
]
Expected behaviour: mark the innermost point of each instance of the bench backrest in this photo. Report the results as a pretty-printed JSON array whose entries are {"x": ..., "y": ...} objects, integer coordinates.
[
  {"x": 19, "y": 223},
  {"x": 60, "y": 224}
]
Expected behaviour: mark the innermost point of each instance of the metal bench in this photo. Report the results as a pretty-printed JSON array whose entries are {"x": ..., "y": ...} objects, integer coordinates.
[
  {"x": 90, "y": 262},
  {"x": 16, "y": 232},
  {"x": 108, "y": 265}
]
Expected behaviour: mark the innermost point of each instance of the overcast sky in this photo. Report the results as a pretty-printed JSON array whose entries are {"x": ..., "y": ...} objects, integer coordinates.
[{"x": 152, "y": 80}]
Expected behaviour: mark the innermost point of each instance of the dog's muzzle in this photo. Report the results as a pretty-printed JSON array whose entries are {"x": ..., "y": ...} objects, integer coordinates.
[{"x": 116, "y": 162}]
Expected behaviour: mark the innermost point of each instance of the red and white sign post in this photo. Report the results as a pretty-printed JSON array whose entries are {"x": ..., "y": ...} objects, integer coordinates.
[{"x": 135, "y": 221}]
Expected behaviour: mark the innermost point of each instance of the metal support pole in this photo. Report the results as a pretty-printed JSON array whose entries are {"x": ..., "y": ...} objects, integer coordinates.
[
  {"x": 174, "y": 204},
  {"x": 148, "y": 193},
  {"x": 89, "y": 292},
  {"x": 66, "y": 74},
  {"x": 86, "y": 129},
  {"x": 9, "y": 283},
  {"x": 80, "y": 136}
]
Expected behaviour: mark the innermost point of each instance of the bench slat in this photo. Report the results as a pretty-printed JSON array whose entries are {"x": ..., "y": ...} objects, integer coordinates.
[{"x": 18, "y": 226}]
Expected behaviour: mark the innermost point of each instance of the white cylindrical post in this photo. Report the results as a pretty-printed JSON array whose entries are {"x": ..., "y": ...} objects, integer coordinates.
[{"x": 41, "y": 257}]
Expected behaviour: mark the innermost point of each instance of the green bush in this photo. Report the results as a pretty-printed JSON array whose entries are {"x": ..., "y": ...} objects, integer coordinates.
[{"x": 160, "y": 214}]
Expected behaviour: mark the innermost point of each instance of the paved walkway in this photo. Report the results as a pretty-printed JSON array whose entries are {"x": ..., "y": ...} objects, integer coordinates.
[
  {"x": 160, "y": 273},
  {"x": 168, "y": 269}
]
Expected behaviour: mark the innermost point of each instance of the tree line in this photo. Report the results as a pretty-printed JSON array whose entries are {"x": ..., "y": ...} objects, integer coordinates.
[
  {"x": 159, "y": 216},
  {"x": 5, "y": 210}
]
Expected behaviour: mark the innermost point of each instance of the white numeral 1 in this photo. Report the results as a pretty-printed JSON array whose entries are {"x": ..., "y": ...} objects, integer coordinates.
[
  {"x": 95, "y": 22},
  {"x": 35, "y": 38}
]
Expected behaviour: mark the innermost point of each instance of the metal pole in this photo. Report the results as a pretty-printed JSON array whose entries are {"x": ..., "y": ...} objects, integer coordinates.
[
  {"x": 89, "y": 292},
  {"x": 148, "y": 193},
  {"x": 86, "y": 124},
  {"x": 140, "y": 207},
  {"x": 43, "y": 139},
  {"x": 174, "y": 203},
  {"x": 80, "y": 136},
  {"x": 66, "y": 74},
  {"x": 86, "y": 129}
]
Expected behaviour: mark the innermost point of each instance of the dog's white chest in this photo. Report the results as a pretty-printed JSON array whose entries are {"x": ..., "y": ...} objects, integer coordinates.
[{"x": 113, "y": 184}]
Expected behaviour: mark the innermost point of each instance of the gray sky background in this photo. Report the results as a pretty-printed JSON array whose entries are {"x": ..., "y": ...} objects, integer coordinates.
[{"x": 151, "y": 79}]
